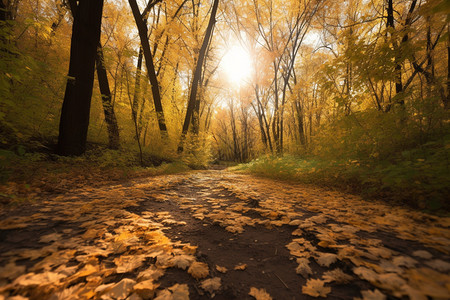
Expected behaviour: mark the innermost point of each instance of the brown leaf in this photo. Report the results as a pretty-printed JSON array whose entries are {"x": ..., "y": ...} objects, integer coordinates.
[
  {"x": 198, "y": 270},
  {"x": 146, "y": 289},
  {"x": 316, "y": 288},
  {"x": 221, "y": 269},
  {"x": 175, "y": 292},
  {"x": 326, "y": 259},
  {"x": 211, "y": 285},
  {"x": 303, "y": 267},
  {"x": 338, "y": 276},
  {"x": 241, "y": 267},
  {"x": 259, "y": 294}
]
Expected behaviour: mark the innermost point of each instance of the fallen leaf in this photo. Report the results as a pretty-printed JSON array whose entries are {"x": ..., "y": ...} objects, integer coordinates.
[
  {"x": 119, "y": 290},
  {"x": 11, "y": 271},
  {"x": 198, "y": 270},
  {"x": 404, "y": 261},
  {"x": 175, "y": 292},
  {"x": 326, "y": 259},
  {"x": 182, "y": 261},
  {"x": 127, "y": 263},
  {"x": 241, "y": 267},
  {"x": 32, "y": 279},
  {"x": 153, "y": 273},
  {"x": 372, "y": 295},
  {"x": 439, "y": 265},
  {"x": 211, "y": 285},
  {"x": 423, "y": 254},
  {"x": 50, "y": 238},
  {"x": 303, "y": 267},
  {"x": 338, "y": 276},
  {"x": 315, "y": 288},
  {"x": 146, "y": 289},
  {"x": 221, "y": 269},
  {"x": 259, "y": 294}
]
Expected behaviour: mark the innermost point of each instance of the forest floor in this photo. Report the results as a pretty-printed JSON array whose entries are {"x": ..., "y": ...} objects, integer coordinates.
[{"x": 214, "y": 233}]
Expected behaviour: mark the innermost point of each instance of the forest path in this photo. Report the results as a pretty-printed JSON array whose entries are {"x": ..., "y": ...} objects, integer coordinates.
[{"x": 221, "y": 234}]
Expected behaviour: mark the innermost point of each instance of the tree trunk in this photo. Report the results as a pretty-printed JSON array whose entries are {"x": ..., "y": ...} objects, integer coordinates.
[
  {"x": 108, "y": 108},
  {"x": 197, "y": 75},
  {"x": 74, "y": 122},
  {"x": 143, "y": 31}
]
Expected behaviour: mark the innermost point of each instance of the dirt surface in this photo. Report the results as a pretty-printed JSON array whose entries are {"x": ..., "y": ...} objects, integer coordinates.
[{"x": 219, "y": 234}]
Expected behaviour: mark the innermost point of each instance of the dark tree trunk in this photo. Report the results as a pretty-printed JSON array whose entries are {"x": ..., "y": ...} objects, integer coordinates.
[
  {"x": 143, "y": 32},
  {"x": 74, "y": 122},
  {"x": 108, "y": 109},
  {"x": 197, "y": 75}
]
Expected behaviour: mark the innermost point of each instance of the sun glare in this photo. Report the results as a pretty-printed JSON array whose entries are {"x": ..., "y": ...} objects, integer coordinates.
[{"x": 237, "y": 65}]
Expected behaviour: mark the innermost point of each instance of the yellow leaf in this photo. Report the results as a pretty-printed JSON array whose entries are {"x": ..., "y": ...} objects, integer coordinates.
[
  {"x": 11, "y": 271},
  {"x": 175, "y": 292},
  {"x": 211, "y": 285},
  {"x": 315, "y": 288},
  {"x": 259, "y": 294},
  {"x": 221, "y": 269},
  {"x": 119, "y": 290},
  {"x": 240, "y": 267},
  {"x": 198, "y": 270},
  {"x": 128, "y": 263},
  {"x": 146, "y": 289}
]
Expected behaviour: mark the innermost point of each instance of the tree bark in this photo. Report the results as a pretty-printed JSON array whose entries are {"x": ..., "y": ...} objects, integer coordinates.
[
  {"x": 143, "y": 31},
  {"x": 74, "y": 122},
  {"x": 108, "y": 109},
  {"x": 198, "y": 74}
]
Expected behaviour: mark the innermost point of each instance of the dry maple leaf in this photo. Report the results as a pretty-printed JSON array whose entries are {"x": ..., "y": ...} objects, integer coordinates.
[
  {"x": 211, "y": 285},
  {"x": 182, "y": 261},
  {"x": 146, "y": 289},
  {"x": 175, "y": 292},
  {"x": 127, "y": 263},
  {"x": 315, "y": 288},
  {"x": 338, "y": 276},
  {"x": 153, "y": 273},
  {"x": 259, "y": 294},
  {"x": 326, "y": 259},
  {"x": 119, "y": 290},
  {"x": 241, "y": 267},
  {"x": 372, "y": 295},
  {"x": 221, "y": 269},
  {"x": 303, "y": 267},
  {"x": 198, "y": 270},
  {"x": 439, "y": 265}
]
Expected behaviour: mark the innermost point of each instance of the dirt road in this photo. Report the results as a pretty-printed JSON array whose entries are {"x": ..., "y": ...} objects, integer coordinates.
[{"x": 219, "y": 234}]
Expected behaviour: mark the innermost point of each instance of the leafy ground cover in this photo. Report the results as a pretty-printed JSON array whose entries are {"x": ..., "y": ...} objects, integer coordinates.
[
  {"x": 218, "y": 234},
  {"x": 418, "y": 178}
]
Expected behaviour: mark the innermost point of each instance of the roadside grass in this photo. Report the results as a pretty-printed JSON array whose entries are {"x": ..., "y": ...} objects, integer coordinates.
[
  {"x": 419, "y": 178},
  {"x": 25, "y": 177}
]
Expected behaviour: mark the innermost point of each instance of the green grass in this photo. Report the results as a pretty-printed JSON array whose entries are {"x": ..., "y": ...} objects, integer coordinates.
[{"x": 419, "y": 178}]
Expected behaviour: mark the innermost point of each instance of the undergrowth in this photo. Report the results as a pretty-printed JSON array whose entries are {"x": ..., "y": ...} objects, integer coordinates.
[
  {"x": 26, "y": 176},
  {"x": 418, "y": 177}
]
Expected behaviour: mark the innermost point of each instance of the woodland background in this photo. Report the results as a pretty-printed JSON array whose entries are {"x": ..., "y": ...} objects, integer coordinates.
[{"x": 352, "y": 94}]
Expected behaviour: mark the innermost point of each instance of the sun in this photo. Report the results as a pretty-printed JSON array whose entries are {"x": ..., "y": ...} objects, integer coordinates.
[{"x": 237, "y": 65}]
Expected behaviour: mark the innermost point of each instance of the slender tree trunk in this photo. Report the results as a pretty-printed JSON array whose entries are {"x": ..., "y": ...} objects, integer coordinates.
[
  {"x": 197, "y": 75},
  {"x": 447, "y": 99},
  {"x": 142, "y": 28},
  {"x": 108, "y": 108},
  {"x": 75, "y": 111}
]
